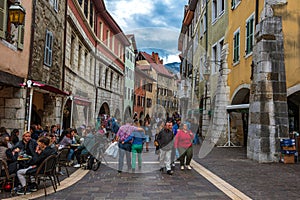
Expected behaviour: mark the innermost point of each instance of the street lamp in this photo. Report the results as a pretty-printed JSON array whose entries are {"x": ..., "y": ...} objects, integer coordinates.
[{"x": 16, "y": 13}]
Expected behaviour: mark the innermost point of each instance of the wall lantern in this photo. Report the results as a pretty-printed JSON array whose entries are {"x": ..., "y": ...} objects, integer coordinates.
[{"x": 16, "y": 13}]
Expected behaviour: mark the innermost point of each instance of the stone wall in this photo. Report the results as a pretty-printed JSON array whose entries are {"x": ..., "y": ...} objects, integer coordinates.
[
  {"x": 268, "y": 116},
  {"x": 12, "y": 108}
]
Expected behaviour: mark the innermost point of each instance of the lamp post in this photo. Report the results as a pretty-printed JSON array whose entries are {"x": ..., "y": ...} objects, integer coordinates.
[{"x": 16, "y": 13}]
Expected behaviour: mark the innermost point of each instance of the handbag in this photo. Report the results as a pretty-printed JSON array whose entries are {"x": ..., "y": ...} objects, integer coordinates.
[{"x": 112, "y": 150}]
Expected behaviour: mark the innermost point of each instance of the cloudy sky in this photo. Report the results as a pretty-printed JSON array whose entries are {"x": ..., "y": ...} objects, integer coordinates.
[{"x": 155, "y": 23}]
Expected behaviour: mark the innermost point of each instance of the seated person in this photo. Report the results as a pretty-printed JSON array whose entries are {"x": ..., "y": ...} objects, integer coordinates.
[
  {"x": 26, "y": 145},
  {"x": 43, "y": 150},
  {"x": 66, "y": 143},
  {"x": 9, "y": 157}
]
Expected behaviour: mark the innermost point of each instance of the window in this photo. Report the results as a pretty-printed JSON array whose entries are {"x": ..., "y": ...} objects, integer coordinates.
[
  {"x": 101, "y": 31},
  {"x": 86, "y": 8},
  {"x": 111, "y": 79},
  {"x": 132, "y": 95},
  {"x": 8, "y": 32},
  {"x": 72, "y": 50},
  {"x": 149, "y": 103},
  {"x": 91, "y": 14},
  {"x": 249, "y": 35},
  {"x": 218, "y": 8},
  {"x": 235, "y": 3},
  {"x": 221, "y": 6},
  {"x": 106, "y": 76},
  {"x": 107, "y": 38},
  {"x": 79, "y": 56},
  {"x": 214, "y": 10},
  {"x": 91, "y": 66},
  {"x": 138, "y": 101},
  {"x": 86, "y": 64},
  {"x": 55, "y": 5},
  {"x": 236, "y": 46},
  {"x": 48, "y": 48}
]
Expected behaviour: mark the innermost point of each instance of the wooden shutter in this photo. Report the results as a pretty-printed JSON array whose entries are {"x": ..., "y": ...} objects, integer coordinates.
[
  {"x": 3, "y": 20},
  {"x": 48, "y": 49},
  {"x": 20, "y": 36}
]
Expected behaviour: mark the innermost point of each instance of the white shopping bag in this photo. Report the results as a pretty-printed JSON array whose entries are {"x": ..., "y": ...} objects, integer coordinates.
[{"x": 112, "y": 150}]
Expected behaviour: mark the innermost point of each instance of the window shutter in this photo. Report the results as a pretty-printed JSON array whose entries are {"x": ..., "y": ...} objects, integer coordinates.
[
  {"x": 21, "y": 36},
  {"x": 3, "y": 14},
  {"x": 48, "y": 49}
]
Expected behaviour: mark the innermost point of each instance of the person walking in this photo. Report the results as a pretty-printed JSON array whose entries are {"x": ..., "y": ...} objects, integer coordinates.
[
  {"x": 165, "y": 142},
  {"x": 183, "y": 142},
  {"x": 124, "y": 147},
  {"x": 138, "y": 138}
]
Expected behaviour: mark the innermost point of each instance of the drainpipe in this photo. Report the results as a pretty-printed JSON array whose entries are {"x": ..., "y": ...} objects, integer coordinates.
[{"x": 64, "y": 65}]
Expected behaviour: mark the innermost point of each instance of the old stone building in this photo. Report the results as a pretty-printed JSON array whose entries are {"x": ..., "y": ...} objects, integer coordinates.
[
  {"x": 256, "y": 92},
  {"x": 94, "y": 73},
  {"x": 14, "y": 62},
  {"x": 165, "y": 102},
  {"x": 46, "y": 62}
]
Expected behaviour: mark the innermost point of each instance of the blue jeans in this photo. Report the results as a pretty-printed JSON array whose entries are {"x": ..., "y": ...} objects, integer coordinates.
[{"x": 124, "y": 149}]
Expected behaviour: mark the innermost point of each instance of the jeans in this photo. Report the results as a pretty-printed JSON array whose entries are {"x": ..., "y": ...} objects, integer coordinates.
[
  {"x": 124, "y": 149},
  {"x": 136, "y": 149}
]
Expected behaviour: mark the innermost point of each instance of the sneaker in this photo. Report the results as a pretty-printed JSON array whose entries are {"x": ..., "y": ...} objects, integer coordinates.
[
  {"x": 22, "y": 191},
  {"x": 188, "y": 167},
  {"x": 33, "y": 187},
  {"x": 170, "y": 172},
  {"x": 76, "y": 166},
  {"x": 182, "y": 167}
]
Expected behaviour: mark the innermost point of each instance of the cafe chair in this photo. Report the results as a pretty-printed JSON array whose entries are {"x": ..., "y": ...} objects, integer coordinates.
[
  {"x": 5, "y": 177},
  {"x": 62, "y": 159},
  {"x": 46, "y": 172}
]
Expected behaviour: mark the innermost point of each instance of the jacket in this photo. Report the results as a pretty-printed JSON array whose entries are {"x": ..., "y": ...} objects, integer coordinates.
[
  {"x": 29, "y": 147},
  {"x": 165, "y": 139}
]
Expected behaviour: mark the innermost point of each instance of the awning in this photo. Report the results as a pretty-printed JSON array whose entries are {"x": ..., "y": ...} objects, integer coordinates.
[
  {"x": 46, "y": 87},
  {"x": 81, "y": 101}
]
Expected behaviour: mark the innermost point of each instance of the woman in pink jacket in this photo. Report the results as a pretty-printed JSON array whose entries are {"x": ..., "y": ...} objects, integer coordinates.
[{"x": 183, "y": 143}]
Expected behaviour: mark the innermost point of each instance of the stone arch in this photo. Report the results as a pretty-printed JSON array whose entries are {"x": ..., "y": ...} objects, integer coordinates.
[
  {"x": 293, "y": 102},
  {"x": 239, "y": 118},
  {"x": 104, "y": 109},
  {"x": 241, "y": 95},
  {"x": 117, "y": 114}
]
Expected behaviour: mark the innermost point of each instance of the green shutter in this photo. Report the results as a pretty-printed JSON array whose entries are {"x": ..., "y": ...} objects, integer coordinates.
[
  {"x": 3, "y": 20},
  {"x": 20, "y": 36}
]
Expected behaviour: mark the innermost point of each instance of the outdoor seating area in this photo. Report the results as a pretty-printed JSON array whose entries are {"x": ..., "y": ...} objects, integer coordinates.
[{"x": 51, "y": 172}]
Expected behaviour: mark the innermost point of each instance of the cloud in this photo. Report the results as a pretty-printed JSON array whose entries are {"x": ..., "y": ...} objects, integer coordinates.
[{"x": 156, "y": 24}]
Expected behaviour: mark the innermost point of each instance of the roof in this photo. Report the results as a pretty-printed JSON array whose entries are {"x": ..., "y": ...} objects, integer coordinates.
[{"x": 159, "y": 68}]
